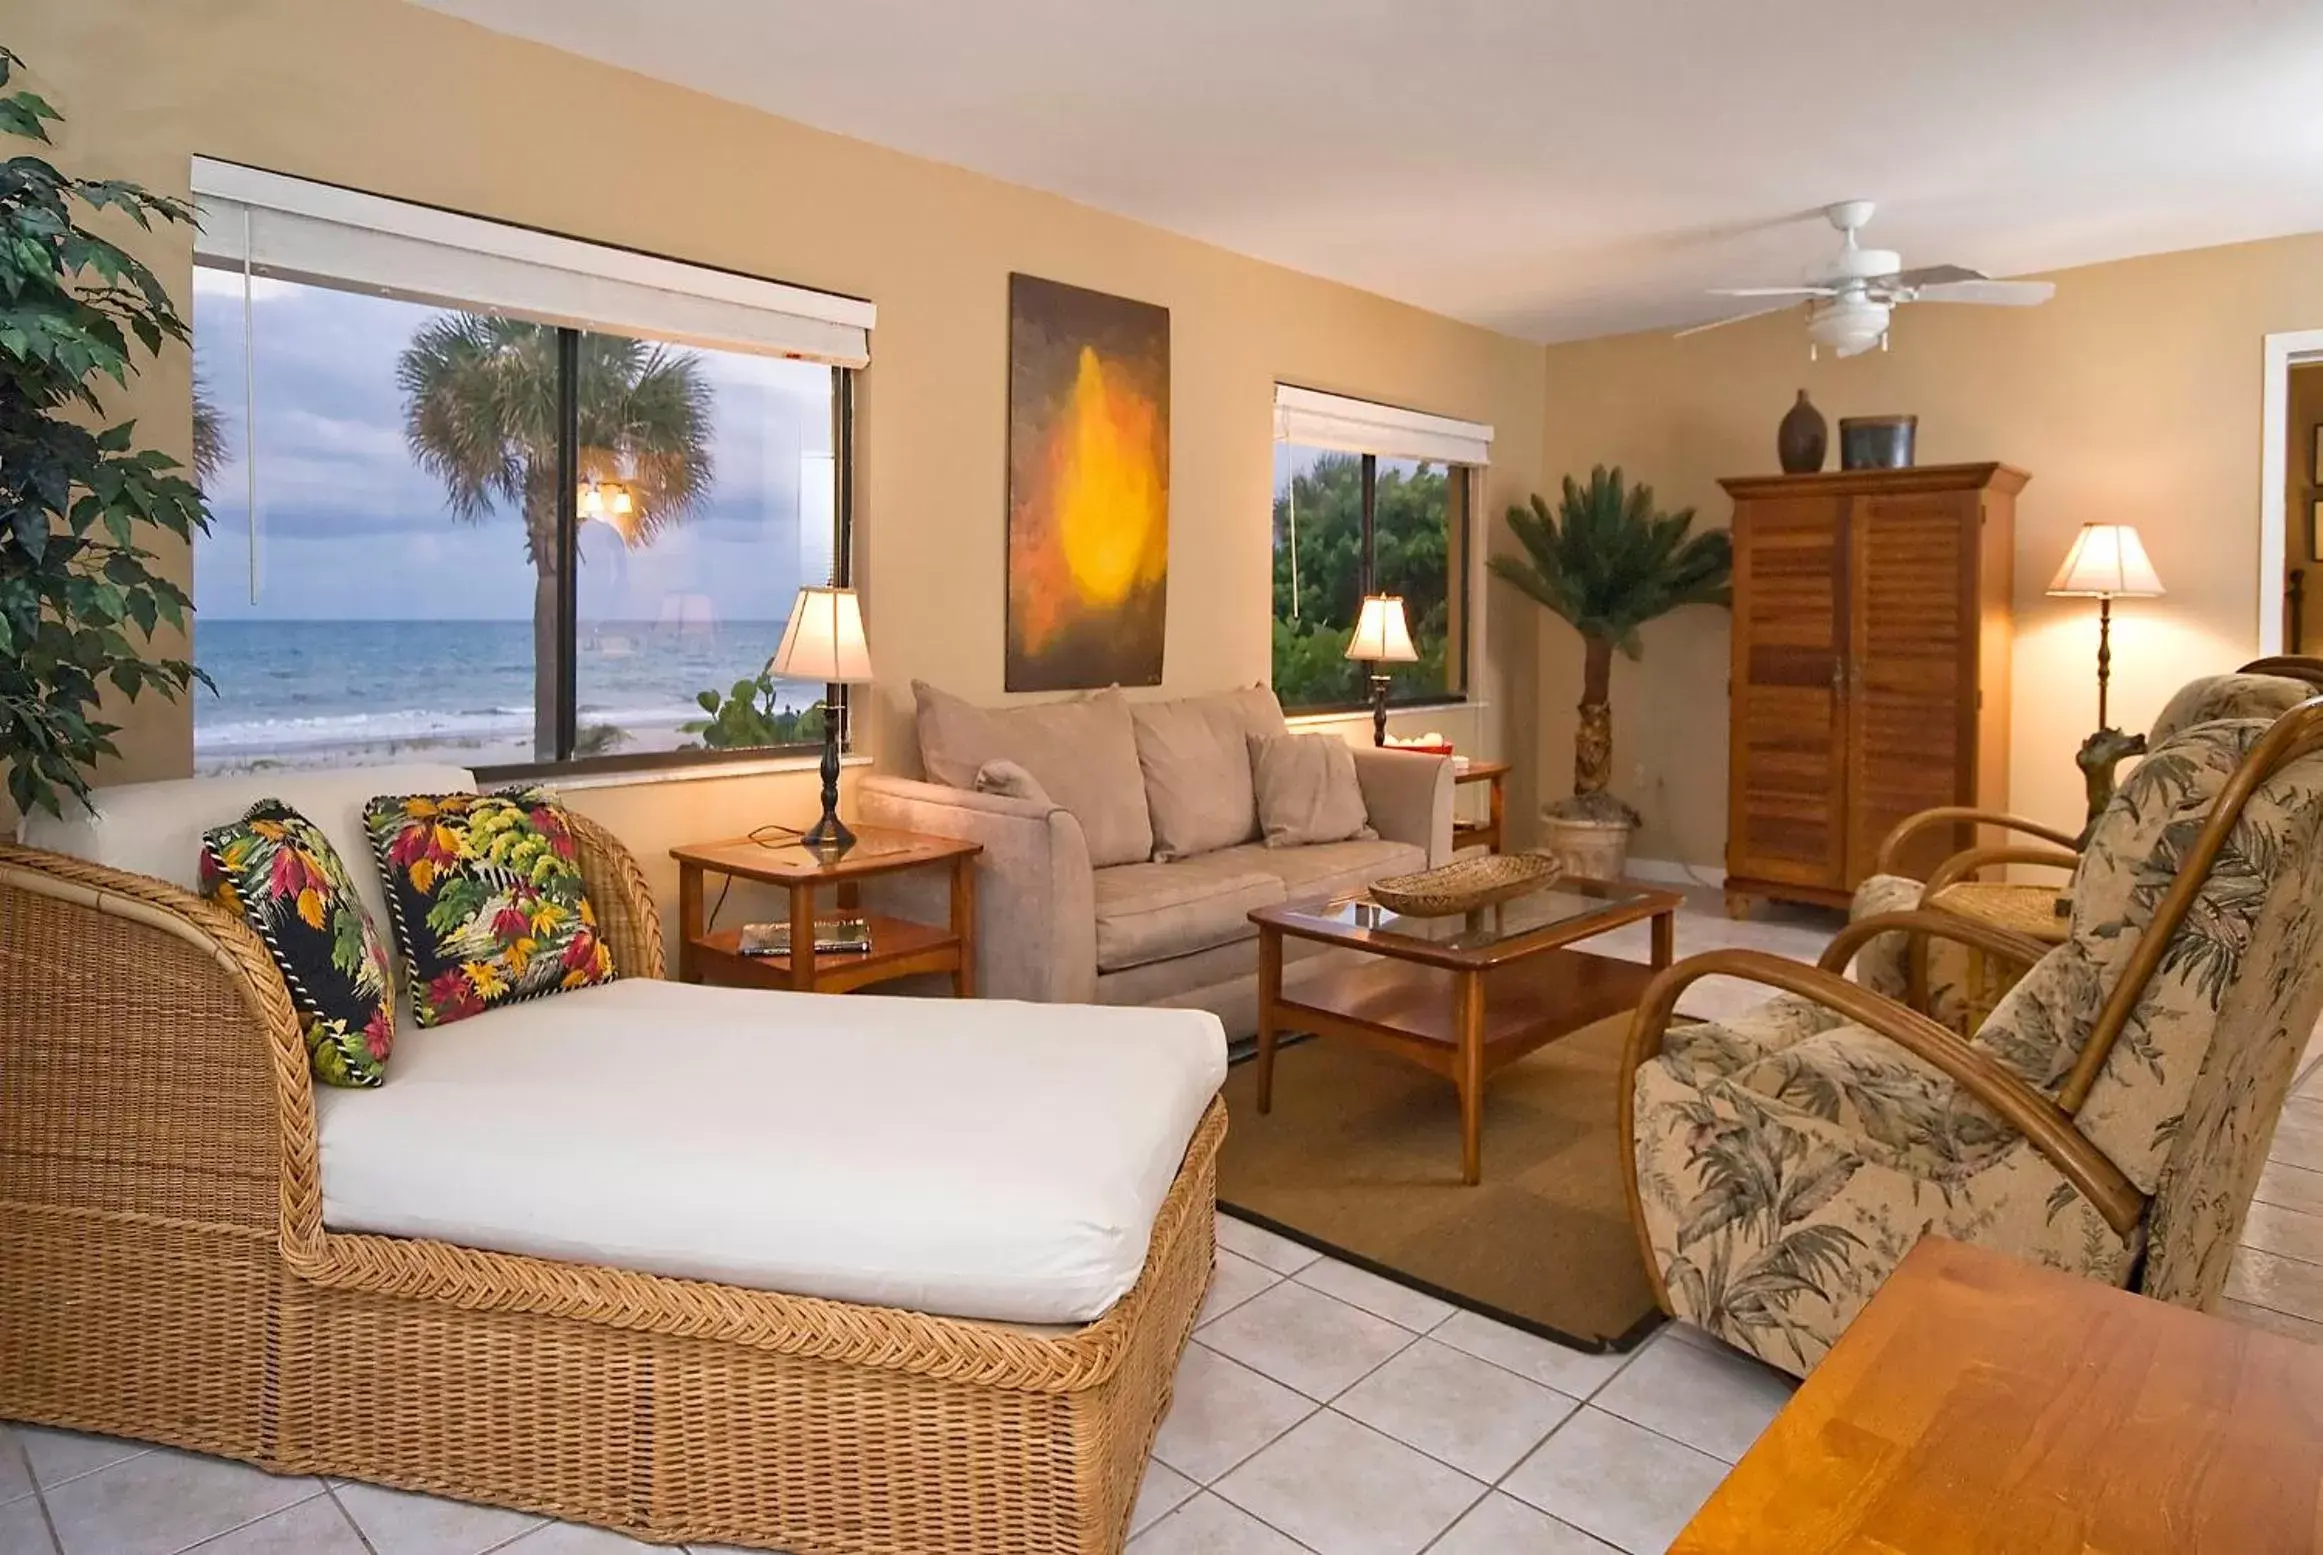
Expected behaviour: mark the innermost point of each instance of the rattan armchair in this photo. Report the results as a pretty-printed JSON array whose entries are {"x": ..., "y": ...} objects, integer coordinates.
[
  {"x": 2110, "y": 1117},
  {"x": 167, "y": 1276}
]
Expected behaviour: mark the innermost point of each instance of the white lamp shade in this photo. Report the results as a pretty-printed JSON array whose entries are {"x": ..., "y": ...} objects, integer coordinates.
[
  {"x": 824, "y": 641},
  {"x": 2107, "y": 561},
  {"x": 1380, "y": 633}
]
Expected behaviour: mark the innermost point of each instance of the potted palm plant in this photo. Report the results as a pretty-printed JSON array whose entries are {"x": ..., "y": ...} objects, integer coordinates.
[{"x": 1608, "y": 562}]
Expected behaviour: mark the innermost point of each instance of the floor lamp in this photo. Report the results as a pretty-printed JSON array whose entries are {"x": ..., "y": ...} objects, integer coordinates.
[{"x": 2107, "y": 562}]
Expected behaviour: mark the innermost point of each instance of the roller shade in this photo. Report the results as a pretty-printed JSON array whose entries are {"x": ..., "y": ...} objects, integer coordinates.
[
  {"x": 1318, "y": 420},
  {"x": 296, "y": 230}
]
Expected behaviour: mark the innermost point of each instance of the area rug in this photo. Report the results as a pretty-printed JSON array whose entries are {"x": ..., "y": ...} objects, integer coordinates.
[{"x": 1361, "y": 1159}]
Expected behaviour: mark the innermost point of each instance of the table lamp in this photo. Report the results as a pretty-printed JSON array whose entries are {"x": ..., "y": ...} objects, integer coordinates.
[
  {"x": 1381, "y": 638},
  {"x": 2107, "y": 562},
  {"x": 824, "y": 641}
]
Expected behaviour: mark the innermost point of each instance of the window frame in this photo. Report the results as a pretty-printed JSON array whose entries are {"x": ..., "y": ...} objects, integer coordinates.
[
  {"x": 371, "y": 216},
  {"x": 568, "y": 601},
  {"x": 1455, "y": 587}
]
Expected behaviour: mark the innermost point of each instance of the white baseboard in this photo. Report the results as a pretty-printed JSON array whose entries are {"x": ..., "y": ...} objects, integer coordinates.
[{"x": 1672, "y": 871}]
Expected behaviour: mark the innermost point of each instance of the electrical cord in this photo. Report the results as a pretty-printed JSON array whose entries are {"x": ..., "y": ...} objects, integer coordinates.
[{"x": 771, "y": 835}]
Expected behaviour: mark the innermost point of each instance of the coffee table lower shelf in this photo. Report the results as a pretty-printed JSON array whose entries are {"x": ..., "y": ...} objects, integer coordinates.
[{"x": 1422, "y": 1014}]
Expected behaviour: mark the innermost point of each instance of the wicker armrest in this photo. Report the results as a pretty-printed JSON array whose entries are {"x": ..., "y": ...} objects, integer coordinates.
[
  {"x": 126, "y": 1006},
  {"x": 2044, "y": 1124},
  {"x": 1975, "y": 934},
  {"x": 626, "y": 914}
]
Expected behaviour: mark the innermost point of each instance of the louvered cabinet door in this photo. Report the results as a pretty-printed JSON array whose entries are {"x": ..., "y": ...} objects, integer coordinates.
[
  {"x": 1787, "y": 808},
  {"x": 1911, "y": 681}
]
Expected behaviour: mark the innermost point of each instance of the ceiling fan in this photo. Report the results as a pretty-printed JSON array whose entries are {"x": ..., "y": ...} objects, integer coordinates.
[{"x": 1852, "y": 298}]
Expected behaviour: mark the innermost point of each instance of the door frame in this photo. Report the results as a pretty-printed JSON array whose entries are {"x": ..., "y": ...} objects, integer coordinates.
[{"x": 2282, "y": 351}]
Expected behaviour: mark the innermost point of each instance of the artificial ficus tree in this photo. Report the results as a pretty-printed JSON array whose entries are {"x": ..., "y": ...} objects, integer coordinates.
[{"x": 80, "y": 501}]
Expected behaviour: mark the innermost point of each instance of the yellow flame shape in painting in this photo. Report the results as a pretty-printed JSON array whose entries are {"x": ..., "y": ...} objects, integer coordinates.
[{"x": 1107, "y": 487}]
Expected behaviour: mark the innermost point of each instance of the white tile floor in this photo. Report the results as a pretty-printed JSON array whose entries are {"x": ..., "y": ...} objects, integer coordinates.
[{"x": 1320, "y": 1410}]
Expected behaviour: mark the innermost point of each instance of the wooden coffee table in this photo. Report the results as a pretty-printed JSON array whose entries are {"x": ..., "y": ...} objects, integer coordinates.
[{"x": 1459, "y": 998}]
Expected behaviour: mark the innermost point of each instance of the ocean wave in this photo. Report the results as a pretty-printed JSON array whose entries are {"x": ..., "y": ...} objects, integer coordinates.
[{"x": 331, "y": 729}]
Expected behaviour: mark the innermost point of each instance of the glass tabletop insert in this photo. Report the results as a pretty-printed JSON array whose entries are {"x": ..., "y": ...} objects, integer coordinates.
[{"x": 1570, "y": 904}]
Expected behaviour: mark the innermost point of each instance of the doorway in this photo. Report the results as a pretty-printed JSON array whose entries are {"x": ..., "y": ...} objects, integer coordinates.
[{"x": 2290, "y": 597}]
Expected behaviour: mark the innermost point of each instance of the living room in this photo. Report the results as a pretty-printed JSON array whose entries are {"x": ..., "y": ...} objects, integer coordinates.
[{"x": 770, "y": 313}]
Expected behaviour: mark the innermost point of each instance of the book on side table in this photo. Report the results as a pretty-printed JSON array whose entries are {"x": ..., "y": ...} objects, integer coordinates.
[{"x": 832, "y": 936}]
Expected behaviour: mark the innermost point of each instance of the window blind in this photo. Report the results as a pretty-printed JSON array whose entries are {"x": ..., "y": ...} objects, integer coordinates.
[
  {"x": 1318, "y": 420},
  {"x": 294, "y": 229}
]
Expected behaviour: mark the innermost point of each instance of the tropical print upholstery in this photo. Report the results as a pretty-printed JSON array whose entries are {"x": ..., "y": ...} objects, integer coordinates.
[
  {"x": 1882, "y": 965},
  {"x": 1783, "y": 1171},
  {"x": 487, "y": 897},
  {"x": 277, "y": 869}
]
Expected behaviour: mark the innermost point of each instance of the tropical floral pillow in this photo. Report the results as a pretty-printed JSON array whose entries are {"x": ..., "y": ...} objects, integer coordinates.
[
  {"x": 277, "y": 869},
  {"x": 487, "y": 898}
]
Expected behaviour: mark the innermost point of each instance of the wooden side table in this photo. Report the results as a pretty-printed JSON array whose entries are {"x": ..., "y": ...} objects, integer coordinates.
[
  {"x": 2020, "y": 906},
  {"x": 899, "y": 946},
  {"x": 1490, "y": 832},
  {"x": 1979, "y": 1403}
]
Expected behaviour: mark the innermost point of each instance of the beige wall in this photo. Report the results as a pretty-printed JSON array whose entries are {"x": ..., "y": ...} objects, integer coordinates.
[
  {"x": 401, "y": 101},
  {"x": 2132, "y": 397}
]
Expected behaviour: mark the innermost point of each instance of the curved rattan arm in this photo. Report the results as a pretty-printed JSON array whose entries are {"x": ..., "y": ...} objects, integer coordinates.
[
  {"x": 1965, "y": 863},
  {"x": 626, "y": 914},
  {"x": 1884, "y": 862},
  {"x": 227, "y": 998},
  {"x": 1972, "y": 932},
  {"x": 2045, "y": 1126},
  {"x": 2291, "y": 666}
]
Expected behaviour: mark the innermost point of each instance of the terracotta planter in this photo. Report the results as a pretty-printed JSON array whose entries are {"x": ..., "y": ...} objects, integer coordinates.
[{"x": 1597, "y": 849}]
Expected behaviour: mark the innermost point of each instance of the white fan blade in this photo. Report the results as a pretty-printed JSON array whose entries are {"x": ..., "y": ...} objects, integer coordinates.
[
  {"x": 1927, "y": 275},
  {"x": 1771, "y": 291},
  {"x": 1754, "y": 313},
  {"x": 2006, "y": 294}
]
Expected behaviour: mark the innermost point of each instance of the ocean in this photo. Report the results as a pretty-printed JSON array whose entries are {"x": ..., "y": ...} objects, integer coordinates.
[{"x": 313, "y": 693}]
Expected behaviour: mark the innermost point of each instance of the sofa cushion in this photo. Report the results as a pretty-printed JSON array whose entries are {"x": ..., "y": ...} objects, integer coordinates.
[
  {"x": 1324, "y": 871},
  {"x": 978, "y": 1159},
  {"x": 1307, "y": 790},
  {"x": 156, "y": 828},
  {"x": 1150, "y": 912},
  {"x": 1195, "y": 753},
  {"x": 280, "y": 873},
  {"x": 487, "y": 899},
  {"x": 1083, "y": 754}
]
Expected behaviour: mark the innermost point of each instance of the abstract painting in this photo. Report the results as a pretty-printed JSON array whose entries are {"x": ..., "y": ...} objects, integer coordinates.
[{"x": 1088, "y": 487}]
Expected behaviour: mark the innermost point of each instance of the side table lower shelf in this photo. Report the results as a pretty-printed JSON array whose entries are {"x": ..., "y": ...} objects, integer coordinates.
[{"x": 899, "y": 948}]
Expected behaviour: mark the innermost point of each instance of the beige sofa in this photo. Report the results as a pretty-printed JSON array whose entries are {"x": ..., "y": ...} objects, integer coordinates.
[{"x": 1129, "y": 874}]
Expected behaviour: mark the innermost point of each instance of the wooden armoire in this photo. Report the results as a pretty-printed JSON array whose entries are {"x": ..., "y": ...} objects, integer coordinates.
[{"x": 1870, "y": 673}]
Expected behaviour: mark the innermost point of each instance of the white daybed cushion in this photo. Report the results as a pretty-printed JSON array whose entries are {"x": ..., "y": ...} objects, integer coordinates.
[
  {"x": 156, "y": 828},
  {"x": 972, "y": 1158}
]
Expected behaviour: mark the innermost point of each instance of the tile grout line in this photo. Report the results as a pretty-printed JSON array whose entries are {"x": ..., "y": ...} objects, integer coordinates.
[
  {"x": 348, "y": 1517},
  {"x": 56, "y": 1541},
  {"x": 321, "y": 1491}
]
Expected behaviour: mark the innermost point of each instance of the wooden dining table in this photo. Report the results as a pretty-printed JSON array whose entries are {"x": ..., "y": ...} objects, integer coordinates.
[{"x": 1980, "y": 1404}]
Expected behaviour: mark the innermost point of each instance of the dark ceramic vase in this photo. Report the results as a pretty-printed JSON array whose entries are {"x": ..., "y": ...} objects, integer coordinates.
[{"x": 1802, "y": 439}]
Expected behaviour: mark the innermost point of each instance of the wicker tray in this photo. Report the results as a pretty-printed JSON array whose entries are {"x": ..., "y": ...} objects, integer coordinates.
[{"x": 1466, "y": 884}]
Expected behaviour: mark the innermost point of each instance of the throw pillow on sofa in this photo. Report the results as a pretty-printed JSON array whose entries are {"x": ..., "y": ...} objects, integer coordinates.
[
  {"x": 1195, "y": 753},
  {"x": 1082, "y": 752},
  {"x": 280, "y": 873},
  {"x": 1307, "y": 790},
  {"x": 487, "y": 898}
]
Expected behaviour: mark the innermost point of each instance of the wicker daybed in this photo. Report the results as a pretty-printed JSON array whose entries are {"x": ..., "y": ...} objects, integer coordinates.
[{"x": 165, "y": 1275}]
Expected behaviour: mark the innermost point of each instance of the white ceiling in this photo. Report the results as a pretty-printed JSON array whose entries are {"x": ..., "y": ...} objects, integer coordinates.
[{"x": 1552, "y": 168}]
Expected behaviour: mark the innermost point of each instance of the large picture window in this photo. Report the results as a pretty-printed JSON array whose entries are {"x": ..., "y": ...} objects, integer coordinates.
[
  {"x": 1348, "y": 522},
  {"x": 475, "y": 534}
]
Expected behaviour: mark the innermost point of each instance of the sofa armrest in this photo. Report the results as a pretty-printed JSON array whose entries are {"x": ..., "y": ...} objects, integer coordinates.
[
  {"x": 1036, "y": 911},
  {"x": 1408, "y": 795}
]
